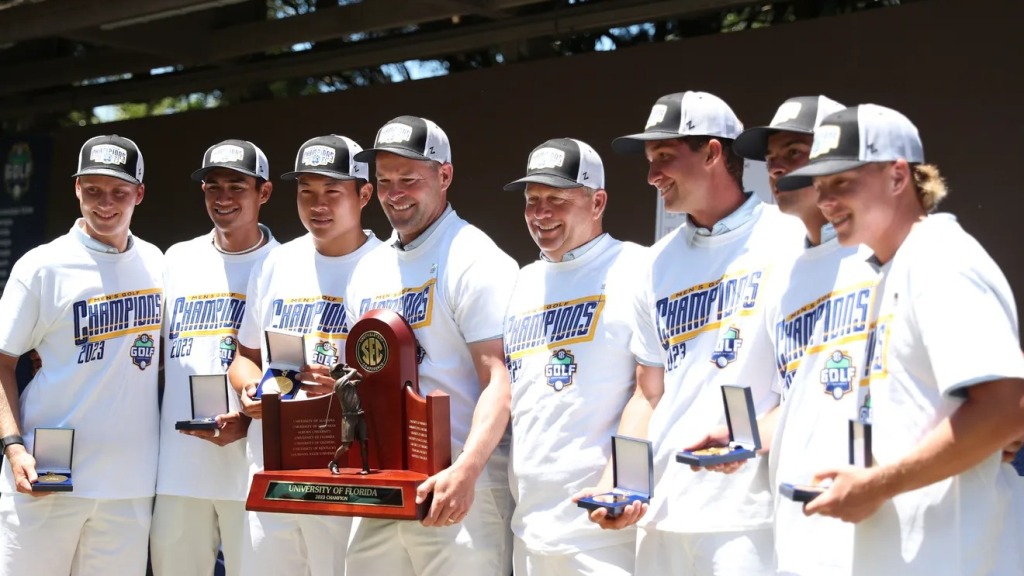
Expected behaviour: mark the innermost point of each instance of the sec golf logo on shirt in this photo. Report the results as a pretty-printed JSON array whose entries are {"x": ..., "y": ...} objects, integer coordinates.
[
  {"x": 142, "y": 351},
  {"x": 560, "y": 370},
  {"x": 727, "y": 348},
  {"x": 838, "y": 375},
  {"x": 227, "y": 348},
  {"x": 325, "y": 353}
]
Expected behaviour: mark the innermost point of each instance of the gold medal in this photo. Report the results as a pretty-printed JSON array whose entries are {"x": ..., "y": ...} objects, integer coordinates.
[
  {"x": 51, "y": 478},
  {"x": 285, "y": 384},
  {"x": 610, "y": 498},
  {"x": 713, "y": 451}
]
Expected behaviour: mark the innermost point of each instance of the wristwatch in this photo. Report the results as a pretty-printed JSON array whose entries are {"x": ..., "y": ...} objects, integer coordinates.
[{"x": 9, "y": 440}]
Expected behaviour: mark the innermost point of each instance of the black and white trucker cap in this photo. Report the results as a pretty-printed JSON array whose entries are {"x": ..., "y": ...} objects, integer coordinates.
[
  {"x": 683, "y": 114},
  {"x": 854, "y": 137},
  {"x": 562, "y": 163},
  {"x": 332, "y": 156},
  {"x": 410, "y": 137}
]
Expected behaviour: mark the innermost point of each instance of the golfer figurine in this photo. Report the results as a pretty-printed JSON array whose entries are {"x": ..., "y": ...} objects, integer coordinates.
[{"x": 353, "y": 425}]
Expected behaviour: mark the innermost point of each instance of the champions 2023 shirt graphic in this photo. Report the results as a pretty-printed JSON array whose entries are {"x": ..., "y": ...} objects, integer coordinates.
[
  {"x": 322, "y": 317},
  {"x": 198, "y": 315},
  {"x": 106, "y": 317},
  {"x": 688, "y": 313},
  {"x": 559, "y": 324},
  {"x": 844, "y": 317},
  {"x": 416, "y": 305}
]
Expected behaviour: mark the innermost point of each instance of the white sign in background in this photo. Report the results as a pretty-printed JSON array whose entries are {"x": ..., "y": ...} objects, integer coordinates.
[{"x": 755, "y": 178}]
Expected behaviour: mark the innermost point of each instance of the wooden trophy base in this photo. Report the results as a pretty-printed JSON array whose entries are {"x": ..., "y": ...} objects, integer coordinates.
[{"x": 387, "y": 494}]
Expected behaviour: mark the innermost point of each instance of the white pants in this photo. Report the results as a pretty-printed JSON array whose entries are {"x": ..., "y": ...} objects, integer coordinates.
[
  {"x": 60, "y": 534},
  {"x": 301, "y": 544},
  {"x": 744, "y": 553},
  {"x": 480, "y": 545},
  {"x": 187, "y": 533},
  {"x": 614, "y": 560}
]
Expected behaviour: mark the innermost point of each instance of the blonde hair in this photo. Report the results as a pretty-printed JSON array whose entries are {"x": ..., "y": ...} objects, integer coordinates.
[{"x": 931, "y": 187}]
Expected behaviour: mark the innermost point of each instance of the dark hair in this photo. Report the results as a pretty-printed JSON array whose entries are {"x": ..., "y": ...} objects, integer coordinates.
[{"x": 733, "y": 162}]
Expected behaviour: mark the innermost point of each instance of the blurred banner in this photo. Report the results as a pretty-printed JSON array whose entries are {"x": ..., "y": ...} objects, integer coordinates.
[{"x": 23, "y": 198}]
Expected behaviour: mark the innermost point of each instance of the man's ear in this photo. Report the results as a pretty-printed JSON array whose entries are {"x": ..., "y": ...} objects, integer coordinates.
[{"x": 365, "y": 193}]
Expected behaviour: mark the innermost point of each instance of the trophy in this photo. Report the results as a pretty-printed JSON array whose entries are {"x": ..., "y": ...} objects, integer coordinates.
[
  {"x": 286, "y": 354},
  {"x": 860, "y": 455},
  {"x": 209, "y": 399},
  {"x": 404, "y": 438},
  {"x": 633, "y": 473},
  {"x": 744, "y": 439},
  {"x": 53, "y": 449}
]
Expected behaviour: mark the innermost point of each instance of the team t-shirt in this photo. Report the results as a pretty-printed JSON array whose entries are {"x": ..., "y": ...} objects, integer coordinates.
[
  {"x": 700, "y": 316},
  {"x": 946, "y": 321},
  {"x": 205, "y": 294},
  {"x": 567, "y": 334},
  {"x": 820, "y": 328},
  {"x": 94, "y": 318},
  {"x": 452, "y": 289},
  {"x": 302, "y": 291}
]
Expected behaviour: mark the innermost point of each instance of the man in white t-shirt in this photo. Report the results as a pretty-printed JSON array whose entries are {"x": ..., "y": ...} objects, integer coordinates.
[
  {"x": 90, "y": 304},
  {"x": 819, "y": 327},
  {"x": 301, "y": 289},
  {"x": 700, "y": 324},
  {"x": 567, "y": 333},
  {"x": 201, "y": 481},
  {"x": 942, "y": 407},
  {"x": 451, "y": 283}
]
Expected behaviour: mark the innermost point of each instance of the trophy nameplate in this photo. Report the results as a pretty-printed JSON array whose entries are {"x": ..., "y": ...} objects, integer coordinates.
[
  {"x": 409, "y": 436},
  {"x": 633, "y": 473},
  {"x": 859, "y": 455},
  {"x": 209, "y": 399},
  {"x": 744, "y": 438},
  {"x": 286, "y": 355},
  {"x": 53, "y": 449}
]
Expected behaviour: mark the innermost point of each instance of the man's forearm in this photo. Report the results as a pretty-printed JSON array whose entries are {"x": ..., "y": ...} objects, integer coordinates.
[
  {"x": 244, "y": 369},
  {"x": 490, "y": 419},
  {"x": 10, "y": 411},
  {"x": 992, "y": 417}
]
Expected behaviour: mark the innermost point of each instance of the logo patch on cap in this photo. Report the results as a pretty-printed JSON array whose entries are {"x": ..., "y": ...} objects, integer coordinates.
[
  {"x": 546, "y": 158},
  {"x": 226, "y": 153},
  {"x": 657, "y": 115},
  {"x": 108, "y": 154},
  {"x": 318, "y": 156},
  {"x": 395, "y": 133},
  {"x": 826, "y": 139},
  {"x": 786, "y": 112}
]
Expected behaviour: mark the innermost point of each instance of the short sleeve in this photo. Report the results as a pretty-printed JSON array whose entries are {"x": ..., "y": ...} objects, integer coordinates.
[
  {"x": 968, "y": 324},
  {"x": 250, "y": 328},
  {"x": 644, "y": 344},
  {"x": 19, "y": 314},
  {"x": 480, "y": 294}
]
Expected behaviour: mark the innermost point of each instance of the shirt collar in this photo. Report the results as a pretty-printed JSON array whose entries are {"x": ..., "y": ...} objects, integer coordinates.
[
  {"x": 94, "y": 244},
  {"x": 828, "y": 233},
  {"x": 396, "y": 242},
  {"x": 576, "y": 252},
  {"x": 738, "y": 218}
]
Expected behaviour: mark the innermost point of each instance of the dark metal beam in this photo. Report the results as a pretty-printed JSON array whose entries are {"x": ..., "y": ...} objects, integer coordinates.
[
  {"x": 56, "y": 17},
  {"x": 190, "y": 41}
]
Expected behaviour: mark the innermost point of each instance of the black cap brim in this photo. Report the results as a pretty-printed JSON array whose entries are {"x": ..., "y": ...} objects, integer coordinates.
[
  {"x": 328, "y": 173},
  {"x": 547, "y": 179},
  {"x": 105, "y": 172},
  {"x": 804, "y": 177},
  {"x": 198, "y": 175},
  {"x": 634, "y": 143},
  {"x": 752, "y": 143},
  {"x": 369, "y": 154}
]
